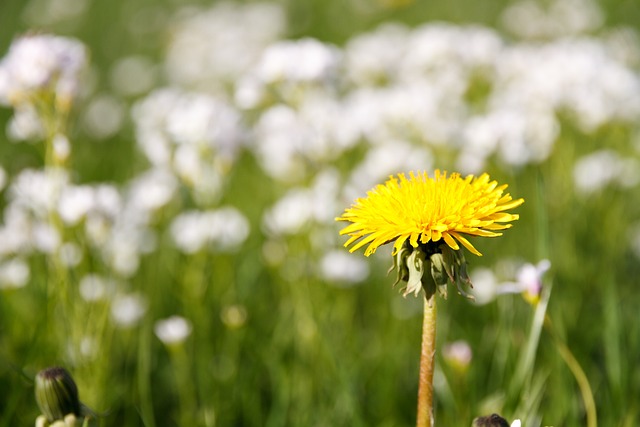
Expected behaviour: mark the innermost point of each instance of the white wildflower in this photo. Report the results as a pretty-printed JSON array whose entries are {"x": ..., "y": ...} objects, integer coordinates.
[
  {"x": 341, "y": 269},
  {"x": 597, "y": 170},
  {"x": 133, "y": 75},
  {"x": 224, "y": 229},
  {"x": 41, "y": 62},
  {"x": 214, "y": 46},
  {"x": 527, "y": 19},
  {"x": 173, "y": 330},
  {"x": 458, "y": 354},
  {"x": 103, "y": 117},
  {"x": 128, "y": 309},
  {"x": 14, "y": 273}
]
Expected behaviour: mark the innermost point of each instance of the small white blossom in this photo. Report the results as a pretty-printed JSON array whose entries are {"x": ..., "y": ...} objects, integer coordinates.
[
  {"x": 172, "y": 330},
  {"x": 152, "y": 190},
  {"x": 225, "y": 229},
  {"x": 41, "y": 62},
  {"x": 70, "y": 254},
  {"x": 94, "y": 287},
  {"x": 340, "y": 267},
  {"x": 25, "y": 125},
  {"x": 485, "y": 285},
  {"x": 196, "y": 136},
  {"x": 38, "y": 191},
  {"x": 458, "y": 354},
  {"x": 214, "y": 46},
  {"x": 133, "y": 75},
  {"x": 595, "y": 171},
  {"x": 305, "y": 60},
  {"x": 527, "y": 19},
  {"x": 103, "y": 117},
  {"x": 14, "y": 273},
  {"x": 127, "y": 310}
]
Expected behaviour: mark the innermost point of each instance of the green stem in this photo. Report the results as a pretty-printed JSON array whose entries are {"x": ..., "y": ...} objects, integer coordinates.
[
  {"x": 427, "y": 360},
  {"x": 578, "y": 373}
]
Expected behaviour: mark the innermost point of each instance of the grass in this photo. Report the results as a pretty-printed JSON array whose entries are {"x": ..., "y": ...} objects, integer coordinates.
[{"x": 275, "y": 344}]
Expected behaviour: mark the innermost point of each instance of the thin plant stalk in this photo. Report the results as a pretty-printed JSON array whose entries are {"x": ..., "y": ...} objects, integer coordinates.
[
  {"x": 427, "y": 360},
  {"x": 578, "y": 373}
]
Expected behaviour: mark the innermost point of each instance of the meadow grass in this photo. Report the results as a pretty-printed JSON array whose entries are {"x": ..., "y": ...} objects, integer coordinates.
[{"x": 273, "y": 340}]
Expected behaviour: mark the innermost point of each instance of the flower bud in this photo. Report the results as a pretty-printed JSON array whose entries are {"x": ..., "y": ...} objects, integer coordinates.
[
  {"x": 493, "y": 420},
  {"x": 56, "y": 394}
]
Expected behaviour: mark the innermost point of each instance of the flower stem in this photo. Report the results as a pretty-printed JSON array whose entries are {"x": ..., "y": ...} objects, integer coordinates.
[
  {"x": 427, "y": 359},
  {"x": 578, "y": 373}
]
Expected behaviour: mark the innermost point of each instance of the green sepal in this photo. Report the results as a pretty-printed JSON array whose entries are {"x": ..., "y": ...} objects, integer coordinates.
[
  {"x": 439, "y": 274},
  {"x": 415, "y": 264},
  {"x": 400, "y": 263},
  {"x": 461, "y": 275}
]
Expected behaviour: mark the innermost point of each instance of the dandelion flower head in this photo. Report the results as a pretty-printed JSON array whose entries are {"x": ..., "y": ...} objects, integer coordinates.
[{"x": 422, "y": 209}]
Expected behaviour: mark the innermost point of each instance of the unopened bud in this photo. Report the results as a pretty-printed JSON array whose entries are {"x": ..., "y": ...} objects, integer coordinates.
[
  {"x": 493, "y": 420},
  {"x": 57, "y": 394}
]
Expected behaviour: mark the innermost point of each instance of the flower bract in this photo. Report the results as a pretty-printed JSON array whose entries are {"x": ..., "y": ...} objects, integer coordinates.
[{"x": 422, "y": 209}]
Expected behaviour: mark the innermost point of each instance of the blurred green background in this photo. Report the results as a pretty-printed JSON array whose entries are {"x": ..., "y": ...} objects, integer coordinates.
[{"x": 273, "y": 341}]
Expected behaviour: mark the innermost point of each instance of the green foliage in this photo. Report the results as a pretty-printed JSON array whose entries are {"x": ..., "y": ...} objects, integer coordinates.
[{"x": 272, "y": 342}]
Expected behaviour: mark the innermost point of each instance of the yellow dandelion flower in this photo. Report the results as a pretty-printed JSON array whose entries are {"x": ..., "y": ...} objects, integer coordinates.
[{"x": 422, "y": 209}]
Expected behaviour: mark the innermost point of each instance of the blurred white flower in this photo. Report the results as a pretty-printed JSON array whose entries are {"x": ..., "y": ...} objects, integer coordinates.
[
  {"x": 173, "y": 330},
  {"x": 70, "y": 254},
  {"x": 127, "y": 310},
  {"x": 38, "y": 191},
  {"x": 94, "y": 287},
  {"x": 25, "y": 125},
  {"x": 45, "y": 237},
  {"x": 74, "y": 203},
  {"x": 304, "y": 60},
  {"x": 419, "y": 111},
  {"x": 107, "y": 199},
  {"x": 88, "y": 347},
  {"x": 579, "y": 76},
  {"x": 133, "y": 75},
  {"x": 597, "y": 170},
  {"x": 372, "y": 59},
  {"x": 213, "y": 47},
  {"x": 526, "y": 280},
  {"x": 14, "y": 273},
  {"x": 224, "y": 229},
  {"x": 447, "y": 53},
  {"x": 458, "y": 355},
  {"x": 195, "y": 135},
  {"x": 15, "y": 232},
  {"x": 485, "y": 285},
  {"x": 288, "y": 140},
  {"x": 301, "y": 207},
  {"x": 527, "y": 18},
  {"x": 61, "y": 147},
  {"x": 516, "y": 423},
  {"x": 103, "y": 117},
  {"x": 152, "y": 190},
  {"x": 340, "y": 268},
  {"x": 519, "y": 137},
  {"x": 291, "y": 213},
  {"x": 38, "y": 63}
]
